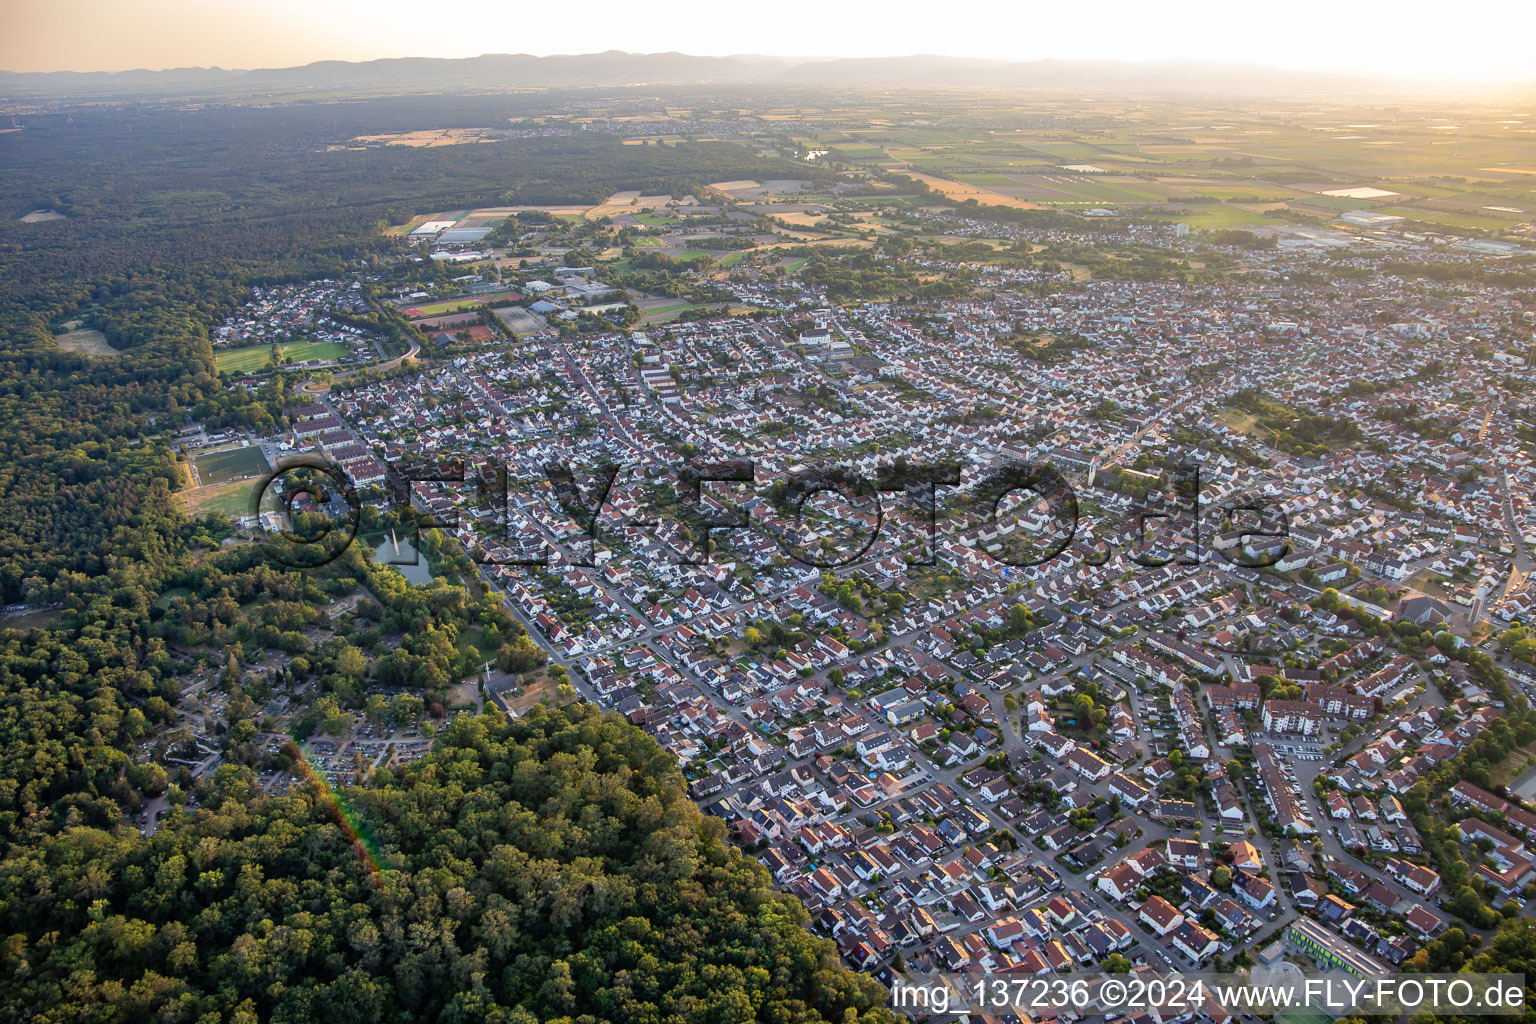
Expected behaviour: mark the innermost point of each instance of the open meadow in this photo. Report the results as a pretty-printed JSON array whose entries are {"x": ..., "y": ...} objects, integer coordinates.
[{"x": 85, "y": 342}]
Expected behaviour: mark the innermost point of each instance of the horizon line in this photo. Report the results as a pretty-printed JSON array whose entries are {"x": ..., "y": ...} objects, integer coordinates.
[{"x": 995, "y": 63}]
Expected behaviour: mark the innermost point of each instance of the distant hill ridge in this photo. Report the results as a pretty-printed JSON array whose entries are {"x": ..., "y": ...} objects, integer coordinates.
[{"x": 618, "y": 68}]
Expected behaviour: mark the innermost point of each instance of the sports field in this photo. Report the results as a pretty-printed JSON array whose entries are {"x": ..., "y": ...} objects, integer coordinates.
[
  {"x": 233, "y": 498},
  {"x": 439, "y": 308},
  {"x": 227, "y": 479},
  {"x": 253, "y": 358},
  {"x": 229, "y": 464}
]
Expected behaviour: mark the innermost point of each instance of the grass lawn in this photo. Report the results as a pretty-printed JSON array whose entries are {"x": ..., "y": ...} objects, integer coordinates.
[
  {"x": 86, "y": 342},
  {"x": 230, "y": 464},
  {"x": 164, "y": 600},
  {"x": 735, "y": 258},
  {"x": 473, "y": 642},
  {"x": 232, "y": 497},
  {"x": 1428, "y": 581},
  {"x": 1238, "y": 420},
  {"x": 252, "y": 358},
  {"x": 665, "y": 313},
  {"x": 37, "y": 618}
]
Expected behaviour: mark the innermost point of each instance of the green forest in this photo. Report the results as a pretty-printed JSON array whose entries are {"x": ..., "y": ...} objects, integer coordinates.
[{"x": 546, "y": 870}]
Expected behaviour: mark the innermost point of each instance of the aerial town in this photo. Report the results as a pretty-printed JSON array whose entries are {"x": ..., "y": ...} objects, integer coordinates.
[
  {"x": 1026, "y": 516},
  {"x": 966, "y": 736}
]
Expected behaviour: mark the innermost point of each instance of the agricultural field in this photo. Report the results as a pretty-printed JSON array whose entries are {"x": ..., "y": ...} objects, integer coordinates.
[
  {"x": 1210, "y": 215},
  {"x": 988, "y": 180},
  {"x": 961, "y": 192},
  {"x": 1210, "y": 169},
  {"x": 427, "y": 138},
  {"x": 857, "y": 152},
  {"x": 1467, "y": 172},
  {"x": 485, "y": 217},
  {"x": 488, "y": 216},
  {"x": 254, "y": 358},
  {"x": 410, "y": 225},
  {"x": 1468, "y": 219},
  {"x": 1248, "y": 192}
]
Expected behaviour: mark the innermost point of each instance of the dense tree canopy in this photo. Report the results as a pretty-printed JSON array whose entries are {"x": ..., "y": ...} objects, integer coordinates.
[{"x": 551, "y": 868}]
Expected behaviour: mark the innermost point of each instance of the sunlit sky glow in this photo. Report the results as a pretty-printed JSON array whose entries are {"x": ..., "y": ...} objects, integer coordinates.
[{"x": 1468, "y": 41}]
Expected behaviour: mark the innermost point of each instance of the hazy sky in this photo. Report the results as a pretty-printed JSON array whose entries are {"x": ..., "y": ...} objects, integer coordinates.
[{"x": 1477, "y": 41}]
